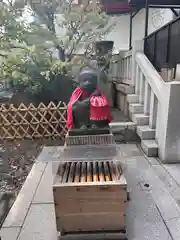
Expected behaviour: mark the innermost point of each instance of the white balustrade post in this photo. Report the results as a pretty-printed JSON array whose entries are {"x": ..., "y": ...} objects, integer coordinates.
[
  {"x": 141, "y": 88},
  {"x": 137, "y": 80},
  {"x": 121, "y": 66},
  {"x": 169, "y": 132},
  {"x": 147, "y": 98},
  {"x": 153, "y": 110},
  {"x": 114, "y": 68},
  {"x": 127, "y": 69},
  {"x": 138, "y": 46},
  {"x": 130, "y": 68}
]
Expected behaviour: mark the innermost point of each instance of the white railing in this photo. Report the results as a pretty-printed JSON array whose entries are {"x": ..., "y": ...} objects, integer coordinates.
[
  {"x": 161, "y": 103},
  {"x": 150, "y": 88},
  {"x": 114, "y": 74},
  {"x": 126, "y": 67},
  {"x": 121, "y": 66}
]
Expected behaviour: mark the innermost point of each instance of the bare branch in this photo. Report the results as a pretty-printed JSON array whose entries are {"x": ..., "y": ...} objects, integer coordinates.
[{"x": 3, "y": 55}]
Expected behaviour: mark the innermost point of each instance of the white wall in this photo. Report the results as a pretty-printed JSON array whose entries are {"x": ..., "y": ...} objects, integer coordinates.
[{"x": 120, "y": 34}]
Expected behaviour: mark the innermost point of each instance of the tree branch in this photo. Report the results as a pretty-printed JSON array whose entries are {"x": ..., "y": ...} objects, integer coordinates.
[{"x": 2, "y": 55}]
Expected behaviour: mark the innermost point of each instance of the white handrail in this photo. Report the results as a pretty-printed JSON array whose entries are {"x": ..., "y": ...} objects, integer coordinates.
[
  {"x": 155, "y": 80},
  {"x": 160, "y": 101}
]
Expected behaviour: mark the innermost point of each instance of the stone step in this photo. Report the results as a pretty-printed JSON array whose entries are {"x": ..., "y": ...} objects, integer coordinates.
[
  {"x": 150, "y": 148},
  {"x": 124, "y": 131},
  {"x": 119, "y": 126},
  {"x": 127, "y": 89},
  {"x": 145, "y": 132},
  {"x": 136, "y": 108},
  {"x": 140, "y": 119},
  {"x": 132, "y": 98}
]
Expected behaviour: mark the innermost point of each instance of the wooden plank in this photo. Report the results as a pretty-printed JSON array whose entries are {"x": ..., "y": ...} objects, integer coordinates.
[
  {"x": 72, "y": 172},
  {"x": 122, "y": 183},
  {"x": 90, "y": 192},
  {"x": 97, "y": 236},
  {"x": 91, "y": 222},
  {"x": 84, "y": 172},
  {"x": 95, "y": 172},
  {"x": 66, "y": 206},
  {"x": 77, "y": 173},
  {"x": 115, "y": 170},
  {"x": 60, "y": 171},
  {"x": 89, "y": 172},
  {"x": 101, "y": 172},
  {"x": 107, "y": 173},
  {"x": 66, "y": 173}
]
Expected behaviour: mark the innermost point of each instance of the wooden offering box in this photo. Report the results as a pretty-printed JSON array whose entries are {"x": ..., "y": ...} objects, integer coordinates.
[{"x": 90, "y": 196}]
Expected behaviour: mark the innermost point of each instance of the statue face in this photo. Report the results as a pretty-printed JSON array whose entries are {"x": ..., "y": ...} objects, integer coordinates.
[{"x": 88, "y": 80}]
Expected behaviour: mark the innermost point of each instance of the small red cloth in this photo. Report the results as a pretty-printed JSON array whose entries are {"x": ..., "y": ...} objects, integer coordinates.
[{"x": 99, "y": 107}]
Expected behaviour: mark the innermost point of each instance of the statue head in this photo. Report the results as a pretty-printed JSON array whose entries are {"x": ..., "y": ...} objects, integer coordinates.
[{"x": 88, "y": 79}]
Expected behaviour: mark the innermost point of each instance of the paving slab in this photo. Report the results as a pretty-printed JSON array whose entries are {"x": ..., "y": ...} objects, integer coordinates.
[
  {"x": 20, "y": 207},
  {"x": 151, "y": 213},
  {"x": 166, "y": 204},
  {"x": 153, "y": 161},
  {"x": 174, "y": 228},
  {"x": 145, "y": 222},
  {"x": 126, "y": 151},
  {"x": 57, "y": 153},
  {"x": 44, "y": 193},
  {"x": 143, "y": 219},
  {"x": 168, "y": 181},
  {"x": 174, "y": 171},
  {"x": 40, "y": 223},
  {"x": 9, "y": 233},
  {"x": 46, "y": 153},
  {"x": 138, "y": 173}
]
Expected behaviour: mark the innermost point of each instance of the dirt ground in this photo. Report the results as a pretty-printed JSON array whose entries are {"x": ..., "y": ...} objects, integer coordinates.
[
  {"x": 20, "y": 156},
  {"x": 16, "y": 160}
]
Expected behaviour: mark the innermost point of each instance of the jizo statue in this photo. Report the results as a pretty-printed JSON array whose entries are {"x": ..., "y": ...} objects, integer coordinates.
[{"x": 88, "y": 106}]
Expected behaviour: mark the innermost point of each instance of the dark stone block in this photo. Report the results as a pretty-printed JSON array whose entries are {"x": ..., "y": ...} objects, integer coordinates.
[{"x": 90, "y": 131}]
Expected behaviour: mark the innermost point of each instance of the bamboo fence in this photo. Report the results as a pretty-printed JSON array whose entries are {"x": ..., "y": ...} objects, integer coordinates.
[{"x": 31, "y": 122}]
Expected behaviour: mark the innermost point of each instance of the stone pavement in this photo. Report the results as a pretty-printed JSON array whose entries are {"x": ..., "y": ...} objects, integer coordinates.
[{"x": 153, "y": 212}]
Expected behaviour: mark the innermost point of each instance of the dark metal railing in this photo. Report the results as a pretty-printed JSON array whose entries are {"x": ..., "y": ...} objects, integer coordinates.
[{"x": 162, "y": 47}]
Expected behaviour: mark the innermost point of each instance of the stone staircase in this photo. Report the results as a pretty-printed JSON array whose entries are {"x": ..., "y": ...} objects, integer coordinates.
[
  {"x": 150, "y": 101},
  {"x": 146, "y": 134},
  {"x": 126, "y": 132}
]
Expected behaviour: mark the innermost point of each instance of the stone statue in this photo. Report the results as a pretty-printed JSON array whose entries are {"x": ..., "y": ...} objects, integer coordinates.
[{"x": 88, "y": 107}]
